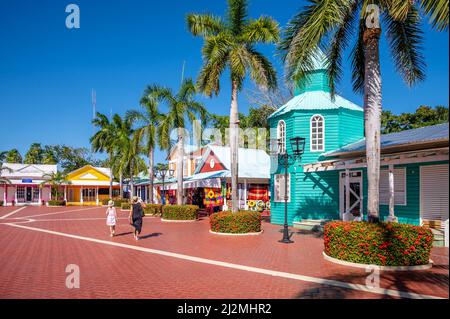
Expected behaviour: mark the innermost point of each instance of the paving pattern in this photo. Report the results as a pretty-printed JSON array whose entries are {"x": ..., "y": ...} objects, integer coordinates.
[{"x": 181, "y": 260}]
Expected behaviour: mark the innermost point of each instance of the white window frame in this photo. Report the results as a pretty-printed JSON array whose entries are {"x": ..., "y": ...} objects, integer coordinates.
[
  {"x": 279, "y": 136},
  {"x": 396, "y": 178},
  {"x": 311, "y": 133},
  {"x": 279, "y": 198}
]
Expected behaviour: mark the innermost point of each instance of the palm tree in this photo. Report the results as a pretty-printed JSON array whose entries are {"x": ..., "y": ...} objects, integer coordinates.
[
  {"x": 56, "y": 180},
  {"x": 13, "y": 156},
  {"x": 230, "y": 42},
  {"x": 104, "y": 140},
  {"x": 332, "y": 24},
  {"x": 181, "y": 106},
  {"x": 149, "y": 121},
  {"x": 3, "y": 180}
]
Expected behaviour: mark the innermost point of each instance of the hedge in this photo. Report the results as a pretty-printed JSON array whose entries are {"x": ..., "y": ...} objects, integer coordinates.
[
  {"x": 180, "y": 212},
  {"x": 125, "y": 206},
  {"x": 153, "y": 209},
  {"x": 56, "y": 203},
  {"x": 1, "y": 203},
  {"x": 384, "y": 244},
  {"x": 236, "y": 223}
]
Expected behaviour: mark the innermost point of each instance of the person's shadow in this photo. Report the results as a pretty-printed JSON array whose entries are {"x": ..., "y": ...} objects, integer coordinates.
[
  {"x": 150, "y": 235},
  {"x": 123, "y": 234}
]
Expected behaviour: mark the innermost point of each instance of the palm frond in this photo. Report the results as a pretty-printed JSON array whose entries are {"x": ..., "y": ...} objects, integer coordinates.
[
  {"x": 339, "y": 43},
  {"x": 358, "y": 60},
  {"x": 204, "y": 24},
  {"x": 437, "y": 10},
  {"x": 405, "y": 40},
  {"x": 236, "y": 15},
  {"x": 263, "y": 30},
  {"x": 261, "y": 70}
]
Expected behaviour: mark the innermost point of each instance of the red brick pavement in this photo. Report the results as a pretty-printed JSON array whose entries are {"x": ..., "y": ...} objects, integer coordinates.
[{"x": 33, "y": 263}]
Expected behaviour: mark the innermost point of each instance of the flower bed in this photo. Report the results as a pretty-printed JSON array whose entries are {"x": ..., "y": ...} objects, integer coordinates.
[
  {"x": 153, "y": 209},
  {"x": 56, "y": 203},
  {"x": 384, "y": 244},
  {"x": 242, "y": 222},
  {"x": 180, "y": 212}
]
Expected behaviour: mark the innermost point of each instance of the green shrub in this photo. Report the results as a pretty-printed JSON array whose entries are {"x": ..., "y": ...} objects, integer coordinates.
[
  {"x": 236, "y": 223},
  {"x": 385, "y": 244},
  {"x": 180, "y": 212},
  {"x": 125, "y": 206},
  {"x": 1, "y": 203},
  {"x": 153, "y": 209},
  {"x": 119, "y": 202},
  {"x": 56, "y": 203}
]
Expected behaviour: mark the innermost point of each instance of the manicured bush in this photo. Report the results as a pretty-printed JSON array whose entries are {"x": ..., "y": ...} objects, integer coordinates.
[
  {"x": 180, "y": 212},
  {"x": 385, "y": 244},
  {"x": 119, "y": 202},
  {"x": 125, "y": 206},
  {"x": 1, "y": 203},
  {"x": 153, "y": 209},
  {"x": 236, "y": 223},
  {"x": 56, "y": 203}
]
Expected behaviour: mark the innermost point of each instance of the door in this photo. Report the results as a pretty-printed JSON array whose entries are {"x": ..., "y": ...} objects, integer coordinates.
[
  {"x": 29, "y": 194},
  {"x": 355, "y": 206},
  {"x": 434, "y": 194}
]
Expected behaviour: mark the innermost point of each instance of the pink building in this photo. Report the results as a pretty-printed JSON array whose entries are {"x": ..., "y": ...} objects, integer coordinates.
[{"x": 25, "y": 187}]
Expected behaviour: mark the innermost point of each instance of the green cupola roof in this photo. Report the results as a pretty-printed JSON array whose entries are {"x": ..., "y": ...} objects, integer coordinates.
[
  {"x": 313, "y": 93},
  {"x": 317, "y": 78}
]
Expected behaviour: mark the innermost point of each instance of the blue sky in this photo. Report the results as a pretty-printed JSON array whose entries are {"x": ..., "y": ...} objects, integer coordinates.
[{"x": 47, "y": 71}]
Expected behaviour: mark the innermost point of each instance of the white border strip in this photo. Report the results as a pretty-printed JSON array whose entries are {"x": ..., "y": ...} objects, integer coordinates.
[
  {"x": 385, "y": 268},
  {"x": 281, "y": 274},
  {"x": 13, "y": 212},
  {"x": 236, "y": 234},
  {"x": 178, "y": 220}
]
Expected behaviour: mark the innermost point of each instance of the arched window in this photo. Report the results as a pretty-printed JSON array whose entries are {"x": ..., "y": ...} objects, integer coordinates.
[
  {"x": 281, "y": 135},
  {"x": 317, "y": 133}
]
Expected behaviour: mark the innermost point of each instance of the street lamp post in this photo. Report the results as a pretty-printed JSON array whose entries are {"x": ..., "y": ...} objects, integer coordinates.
[
  {"x": 161, "y": 175},
  {"x": 285, "y": 159}
]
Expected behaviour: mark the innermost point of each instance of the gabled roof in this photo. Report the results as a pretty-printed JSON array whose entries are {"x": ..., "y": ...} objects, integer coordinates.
[
  {"x": 316, "y": 100},
  {"x": 188, "y": 148},
  {"x": 103, "y": 170},
  {"x": 423, "y": 135},
  {"x": 253, "y": 163},
  {"x": 27, "y": 170}
]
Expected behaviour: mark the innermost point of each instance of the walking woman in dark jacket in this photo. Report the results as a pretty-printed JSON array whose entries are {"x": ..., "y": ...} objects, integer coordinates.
[{"x": 136, "y": 214}]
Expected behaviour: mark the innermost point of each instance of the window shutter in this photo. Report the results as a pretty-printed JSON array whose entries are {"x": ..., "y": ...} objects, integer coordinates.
[
  {"x": 399, "y": 186},
  {"x": 434, "y": 192}
]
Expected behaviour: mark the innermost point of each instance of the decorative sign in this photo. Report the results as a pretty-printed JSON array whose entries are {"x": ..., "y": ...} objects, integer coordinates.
[
  {"x": 28, "y": 180},
  {"x": 212, "y": 163}
]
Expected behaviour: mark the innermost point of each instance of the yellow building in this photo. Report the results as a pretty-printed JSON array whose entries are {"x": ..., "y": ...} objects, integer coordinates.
[{"x": 89, "y": 185}]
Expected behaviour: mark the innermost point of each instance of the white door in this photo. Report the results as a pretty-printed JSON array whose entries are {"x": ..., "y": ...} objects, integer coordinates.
[
  {"x": 356, "y": 194},
  {"x": 434, "y": 192}
]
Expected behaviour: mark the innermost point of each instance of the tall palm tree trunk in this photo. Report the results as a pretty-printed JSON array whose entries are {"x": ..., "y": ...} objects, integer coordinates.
[
  {"x": 131, "y": 179},
  {"x": 234, "y": 126},
  {"x": 110, "y": 176},
  {"x": 151, "y": 164},
  {"x": 121, "y": 184},
  {"x": 372, "y": 118},
  {"x": 180, "y": 160}
]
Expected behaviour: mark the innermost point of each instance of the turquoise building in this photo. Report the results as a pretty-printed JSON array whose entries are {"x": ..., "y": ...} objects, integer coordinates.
[{"x": 414, "y": 164}]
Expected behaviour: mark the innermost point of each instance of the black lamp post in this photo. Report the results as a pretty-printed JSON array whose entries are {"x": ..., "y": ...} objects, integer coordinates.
[
  {"x": 161, "y": 175},
  {"x": 285, "y": 159}
]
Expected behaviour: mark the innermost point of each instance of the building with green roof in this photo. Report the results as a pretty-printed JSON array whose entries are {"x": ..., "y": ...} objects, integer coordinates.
[{"x": 334, "y": 161}]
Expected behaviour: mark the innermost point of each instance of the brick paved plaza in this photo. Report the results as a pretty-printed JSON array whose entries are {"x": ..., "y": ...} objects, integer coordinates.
[{"x": 181, "y": 260}]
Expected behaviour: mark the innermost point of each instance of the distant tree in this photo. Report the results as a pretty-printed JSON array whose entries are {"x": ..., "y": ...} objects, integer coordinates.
[
  {"x": 423, "y": 116},
  {"x": 13, "y": 156},
  {"x": 3, "y": 180},
  {"x": 49, "y": 155},
  {"x": 34, "y": 154}
]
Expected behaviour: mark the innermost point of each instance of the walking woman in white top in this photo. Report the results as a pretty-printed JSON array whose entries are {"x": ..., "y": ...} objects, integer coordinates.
[{"x": 111, "y": 218}]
